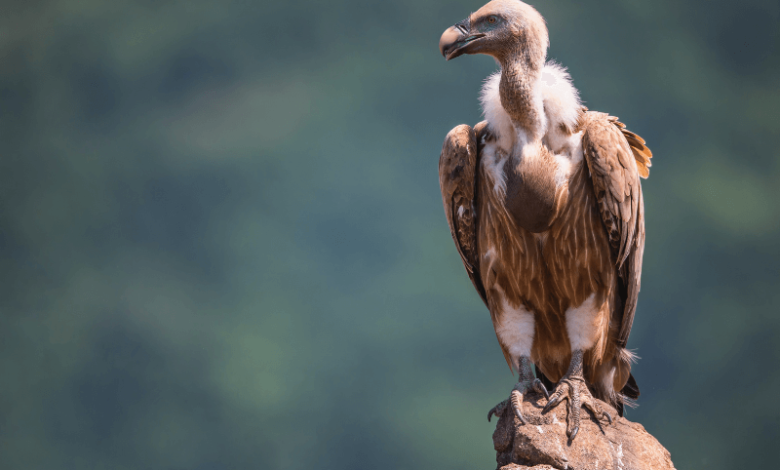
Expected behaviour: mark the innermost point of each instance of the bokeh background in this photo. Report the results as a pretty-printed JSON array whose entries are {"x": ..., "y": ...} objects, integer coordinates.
[{"x": 222, "y": 242}]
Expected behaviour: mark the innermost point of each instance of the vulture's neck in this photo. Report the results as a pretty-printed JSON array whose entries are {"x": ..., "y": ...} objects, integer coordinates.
[{"x": 521, "y": 98}]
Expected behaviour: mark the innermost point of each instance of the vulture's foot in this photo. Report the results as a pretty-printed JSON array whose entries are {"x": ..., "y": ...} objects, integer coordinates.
[
  {"x": 572, "y": 387},
  {"x": 515, "y": 399}
]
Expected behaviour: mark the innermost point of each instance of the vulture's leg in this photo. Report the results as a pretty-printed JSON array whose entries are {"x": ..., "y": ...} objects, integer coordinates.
[
  {"x": 572, "y": 387},
  {"x": 525, "y": 382}
]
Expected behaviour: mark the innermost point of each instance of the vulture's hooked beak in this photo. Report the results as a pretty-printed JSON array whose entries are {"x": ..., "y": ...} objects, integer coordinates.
[{"x": 456, "y": 39}]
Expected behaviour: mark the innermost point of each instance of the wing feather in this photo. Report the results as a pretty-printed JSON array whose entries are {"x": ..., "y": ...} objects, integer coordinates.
[
  {"x": 617, "y": 158},
  {"x": 458, "y": 178}
]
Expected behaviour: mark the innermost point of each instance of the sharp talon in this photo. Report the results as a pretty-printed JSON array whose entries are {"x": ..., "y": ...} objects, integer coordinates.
[
  {"x": 548, "y": 406},
  {"x": 552, "y": 403},
  {"x": 490, "y": 414},
  {"x": 520, "y": 416},
  {"x": 609, "y": 417},
  {"x": 539, "y": 386},
  {"x": 574, "y": 433}
]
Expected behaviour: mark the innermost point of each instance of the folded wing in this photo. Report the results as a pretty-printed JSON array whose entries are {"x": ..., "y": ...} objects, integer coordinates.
[
  {"x": 458, "y": 180},
  {"x": 617, "y": 158}
]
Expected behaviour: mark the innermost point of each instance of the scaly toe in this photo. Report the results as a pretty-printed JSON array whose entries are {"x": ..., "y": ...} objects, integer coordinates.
[
  {"x": 497, "y": 410},
  {"x": 594, "y": 407},
  {"x": 517, "y": 405}
]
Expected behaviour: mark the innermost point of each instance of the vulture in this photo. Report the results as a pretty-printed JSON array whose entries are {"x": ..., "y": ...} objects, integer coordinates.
[{"x": 544, "y": 203}]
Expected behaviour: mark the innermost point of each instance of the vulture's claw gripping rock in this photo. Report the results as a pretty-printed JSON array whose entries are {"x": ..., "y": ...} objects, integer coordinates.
[
  {"x": 573, "y": 388},
  {"x": 516, "y": 399}
]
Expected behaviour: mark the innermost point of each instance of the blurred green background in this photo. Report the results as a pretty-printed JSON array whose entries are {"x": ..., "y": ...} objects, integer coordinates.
[{"x": 222, "y": 242}]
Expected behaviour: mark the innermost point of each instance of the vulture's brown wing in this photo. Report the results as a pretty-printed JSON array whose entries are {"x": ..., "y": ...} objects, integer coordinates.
[
  {"x": 458, "y": 180},
  {"x": 616, "y": 159}
]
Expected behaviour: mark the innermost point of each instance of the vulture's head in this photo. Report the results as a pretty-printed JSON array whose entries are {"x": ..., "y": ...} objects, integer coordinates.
[{"x": 508, "y": 30}]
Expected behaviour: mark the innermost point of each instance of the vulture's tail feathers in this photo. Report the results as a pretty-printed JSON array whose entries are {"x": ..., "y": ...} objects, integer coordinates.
[
  {"x": 627, "y": 396},
  {"x": 631, "y": 389}
]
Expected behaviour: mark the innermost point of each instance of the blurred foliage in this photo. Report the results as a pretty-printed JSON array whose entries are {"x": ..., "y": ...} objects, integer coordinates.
[{"x": 223, "y": 244}]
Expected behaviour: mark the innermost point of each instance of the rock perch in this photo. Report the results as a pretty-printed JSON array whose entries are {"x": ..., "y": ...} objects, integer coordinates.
[{"x": 542, "y": 444}]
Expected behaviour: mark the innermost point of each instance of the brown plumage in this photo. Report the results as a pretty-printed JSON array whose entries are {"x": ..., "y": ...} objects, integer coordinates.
[{"x": 545, "y": 206}]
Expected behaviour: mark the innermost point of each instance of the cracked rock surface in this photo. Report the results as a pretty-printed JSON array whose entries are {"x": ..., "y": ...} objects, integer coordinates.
[{"x": 542, "y": 443}]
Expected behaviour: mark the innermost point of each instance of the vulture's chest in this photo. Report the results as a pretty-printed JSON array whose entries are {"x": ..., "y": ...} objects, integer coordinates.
[
  {"x": 530, "y": 187},
  {"x": 530, "y": 196}
]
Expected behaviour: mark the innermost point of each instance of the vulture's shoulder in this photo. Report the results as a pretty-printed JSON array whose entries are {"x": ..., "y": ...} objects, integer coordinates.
[{"x": 612, "y": 133}]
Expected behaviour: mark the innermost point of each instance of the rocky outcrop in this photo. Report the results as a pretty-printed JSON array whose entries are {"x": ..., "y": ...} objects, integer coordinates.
[{"x": 542, "y": 444}]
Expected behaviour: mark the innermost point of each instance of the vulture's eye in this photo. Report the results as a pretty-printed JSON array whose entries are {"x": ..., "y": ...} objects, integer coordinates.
[{"x": 492, "y": 19}]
